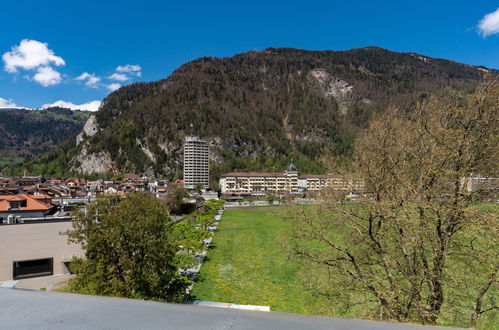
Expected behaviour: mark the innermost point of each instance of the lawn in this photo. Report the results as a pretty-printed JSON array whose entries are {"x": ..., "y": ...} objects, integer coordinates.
[{"x": 246, "y": 263}]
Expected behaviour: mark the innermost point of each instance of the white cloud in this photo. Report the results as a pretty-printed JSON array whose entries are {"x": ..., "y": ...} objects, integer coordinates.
[
  {"x": 124, "y": 73},
  {"x": 119, "y": 77},
  {"x": 90, "y": 106},
  {"x": 34, "y": 55},
  {"x": 128, "y": 68},
  {"x": 4, "y": 103},
  {"x": 46, "y": 76},
  {"x": 30, "y": 54},
  {"x": 132, "y": 68},
  {"x": 489, "y": 24},
  {"x": 113, "y": 87},
  {"x": 90, "y": 79}
]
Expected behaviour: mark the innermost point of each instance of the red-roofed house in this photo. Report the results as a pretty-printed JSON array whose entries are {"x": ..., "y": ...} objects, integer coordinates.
[
  {"x": 25, "y": 206},
  {"x": 133, "y": 182}
]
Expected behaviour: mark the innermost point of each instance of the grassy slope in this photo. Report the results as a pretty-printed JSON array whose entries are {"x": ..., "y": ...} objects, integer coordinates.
[{"x": 248, "y": 266}]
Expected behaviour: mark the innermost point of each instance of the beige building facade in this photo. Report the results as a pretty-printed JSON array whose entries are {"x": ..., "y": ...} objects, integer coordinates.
[
  {"x": 36, "y": 241},
  {"x": 260, "y": 184}
]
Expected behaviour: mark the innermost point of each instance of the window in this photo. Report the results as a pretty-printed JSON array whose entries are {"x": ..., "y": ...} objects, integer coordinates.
[
  {"x": 15, "y": 205},
  {"x": 33, "y": 268}
]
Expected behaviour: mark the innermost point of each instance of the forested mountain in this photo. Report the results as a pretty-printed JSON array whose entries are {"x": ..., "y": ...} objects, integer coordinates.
[
  {"x": 27, "y": 133},
  {"x": 258, "y": 110}
]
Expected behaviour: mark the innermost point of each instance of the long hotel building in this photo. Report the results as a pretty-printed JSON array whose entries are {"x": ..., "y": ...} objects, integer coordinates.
[
  {"x": 259, "y": 184},
  {"x": 196, "y": 163}
]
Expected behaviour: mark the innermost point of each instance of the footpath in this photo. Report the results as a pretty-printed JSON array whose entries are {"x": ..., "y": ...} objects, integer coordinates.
[{"x": 192, "y": 272}]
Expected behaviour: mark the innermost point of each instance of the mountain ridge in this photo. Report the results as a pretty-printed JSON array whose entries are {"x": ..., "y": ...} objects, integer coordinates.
[{"x": 257, "y": 109}]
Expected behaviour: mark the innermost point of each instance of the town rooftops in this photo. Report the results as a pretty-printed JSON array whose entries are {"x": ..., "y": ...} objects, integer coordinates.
[
  {"x": 40, "y": 196},
  {"x": 22, "y": 181}
]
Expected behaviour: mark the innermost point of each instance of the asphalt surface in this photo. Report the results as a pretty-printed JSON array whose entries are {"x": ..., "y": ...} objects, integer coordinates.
[{"x": 24, "y": 309}]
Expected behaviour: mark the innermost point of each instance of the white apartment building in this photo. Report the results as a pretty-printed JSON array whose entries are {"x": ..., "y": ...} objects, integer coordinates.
[{"x": 196, "y": 163}]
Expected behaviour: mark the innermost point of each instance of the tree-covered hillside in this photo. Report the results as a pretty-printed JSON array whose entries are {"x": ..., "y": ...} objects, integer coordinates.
[
  {"x": 258, "y": 110},
  {"x": 28, "y": 133}
]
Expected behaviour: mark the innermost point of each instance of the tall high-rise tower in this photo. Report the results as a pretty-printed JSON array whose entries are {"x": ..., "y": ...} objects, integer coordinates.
[{"x": 196, "y": 163}]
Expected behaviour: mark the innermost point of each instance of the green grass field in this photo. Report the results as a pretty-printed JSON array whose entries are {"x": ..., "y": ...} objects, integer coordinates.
[{"x": 247, "y": 265}]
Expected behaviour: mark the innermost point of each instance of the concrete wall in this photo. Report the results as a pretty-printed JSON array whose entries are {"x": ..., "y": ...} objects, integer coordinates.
[{"x": 33, "y": 241}]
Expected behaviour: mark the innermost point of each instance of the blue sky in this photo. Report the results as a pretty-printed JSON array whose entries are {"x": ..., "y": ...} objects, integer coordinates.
[{"x": 78, "y": 51}]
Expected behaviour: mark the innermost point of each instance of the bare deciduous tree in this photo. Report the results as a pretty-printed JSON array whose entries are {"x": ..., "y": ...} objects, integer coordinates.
[{"x": 396, "y": 244}]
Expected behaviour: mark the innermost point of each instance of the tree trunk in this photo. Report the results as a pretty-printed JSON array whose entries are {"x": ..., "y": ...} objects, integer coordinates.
[{"x": 474, "y": 320}]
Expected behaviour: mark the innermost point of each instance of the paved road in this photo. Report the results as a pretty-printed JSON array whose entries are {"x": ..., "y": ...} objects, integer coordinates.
[{"x": 24, "y": 309}]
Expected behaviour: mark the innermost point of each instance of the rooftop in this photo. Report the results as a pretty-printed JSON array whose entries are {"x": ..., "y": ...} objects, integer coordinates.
[
  {"x": 23, "y": 309},
  {"x": 32, "y": 204}
]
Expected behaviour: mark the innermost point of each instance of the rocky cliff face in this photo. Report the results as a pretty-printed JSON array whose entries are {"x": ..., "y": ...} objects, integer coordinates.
[
  {"x": 89, "y": 129},
  {"x": 88, "y": 163},
  {"x": 333, "y": 88},
  {"x": 258, "y": 108}
]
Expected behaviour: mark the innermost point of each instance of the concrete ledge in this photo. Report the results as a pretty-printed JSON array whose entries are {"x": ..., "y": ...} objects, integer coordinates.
[{"x": 229, "y": 305}]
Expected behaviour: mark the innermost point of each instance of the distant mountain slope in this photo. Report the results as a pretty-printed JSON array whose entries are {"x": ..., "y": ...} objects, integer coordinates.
[
  {"x": 258, "y": 109},
  {"x": 27, "y": 133}
]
